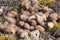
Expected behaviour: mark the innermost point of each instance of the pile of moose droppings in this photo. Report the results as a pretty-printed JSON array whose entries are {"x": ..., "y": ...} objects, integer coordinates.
[{"x": 29, "y": 21}]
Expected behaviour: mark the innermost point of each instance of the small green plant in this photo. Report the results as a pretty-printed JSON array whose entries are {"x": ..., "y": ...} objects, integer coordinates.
[
  {"x": 56, "y": 26},
  {"x": 27, "y": 38},
  {"x": 46, "y": 2},
  {"x": 2, "y": 37},
  {"x": 15, "y": 8}
]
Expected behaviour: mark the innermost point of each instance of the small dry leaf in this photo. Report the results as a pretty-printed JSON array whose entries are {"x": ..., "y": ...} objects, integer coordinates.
[
  {"x": 13, "y": 30},
  {"x": 24, "y": 34},
  {"x": 40, "y": 28},
  {"x": 23, "y": 17},
  {"x": 33, "y": 22},
  {"x": 54, "y": 16},
  {"x": 21, "y": 23},
  {"x": 10, "y": 19},
  {"x": 40, "y": 19},
  {"x": 27, "y": 26}
]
